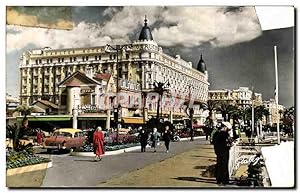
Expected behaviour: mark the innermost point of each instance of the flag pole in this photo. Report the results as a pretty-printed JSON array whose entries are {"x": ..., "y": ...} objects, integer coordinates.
[
  {"x": 276, "y": 94},
  {"x": 252, "y": 114}
]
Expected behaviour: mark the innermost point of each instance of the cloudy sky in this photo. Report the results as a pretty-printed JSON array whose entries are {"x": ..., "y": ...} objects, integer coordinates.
[{"x": 236, "y": 50}]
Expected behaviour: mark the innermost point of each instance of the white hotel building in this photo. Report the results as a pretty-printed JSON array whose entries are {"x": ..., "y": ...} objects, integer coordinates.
[{"x": 44, "y": 75}]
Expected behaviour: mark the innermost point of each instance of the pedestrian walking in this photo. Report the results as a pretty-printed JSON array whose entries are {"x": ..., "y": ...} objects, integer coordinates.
[
  {"x": 143, "y": 140},
  {"x": 154, "y": 138},
  {"x": 248, "y": 133},
  {"x": 167, "y": 136},
  {"x": 98, "y": 143},
  {"x": 208, "y": 128},
  {"x": 222, "y": 144},
  {"x": 39, "y": 137},
  {"x": 192, "y": 134}
]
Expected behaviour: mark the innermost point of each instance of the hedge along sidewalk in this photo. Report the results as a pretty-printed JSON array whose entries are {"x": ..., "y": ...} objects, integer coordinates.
[
  {"x": 129, "y": 149},
  {"x": 29, "y": 168}
]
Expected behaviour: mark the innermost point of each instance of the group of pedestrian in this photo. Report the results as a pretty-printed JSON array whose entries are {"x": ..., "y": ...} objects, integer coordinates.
[
  {"x": 221, "y": 141},
  {"x": 98, "y": 141},
  {"x": 154, "y": 138}
]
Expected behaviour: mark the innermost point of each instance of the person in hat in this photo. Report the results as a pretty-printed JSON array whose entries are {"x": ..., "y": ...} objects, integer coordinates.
[{"x": 221, "y": 142}]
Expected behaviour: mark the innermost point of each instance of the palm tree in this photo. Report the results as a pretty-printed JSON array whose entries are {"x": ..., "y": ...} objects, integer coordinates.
[
  {"x": 226, "y": 109},
  {"x": 245, "y": 113},
  {"x": 266, "y": 113},
  {"x": 210, "y": 106},
  {"x": 24, "y": 111},
  {"x": 259, "y": 112},
  {"x": 288, "y": 117}
]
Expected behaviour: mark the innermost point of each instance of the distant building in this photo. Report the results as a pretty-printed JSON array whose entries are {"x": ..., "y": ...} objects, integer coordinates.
[
  {"x": 11, "y": 105},
  {"x": 271, "y": 106},
  {"x": 241, "y": 96}
]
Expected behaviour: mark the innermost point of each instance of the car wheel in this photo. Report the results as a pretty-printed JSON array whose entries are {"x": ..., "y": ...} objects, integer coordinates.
[
  {"x": 72, "y": 149},
  {"x": 176, "y": 138}
]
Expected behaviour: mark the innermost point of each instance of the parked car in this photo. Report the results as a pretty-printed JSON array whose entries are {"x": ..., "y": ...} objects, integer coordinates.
[{"x": 65, "y": 139}]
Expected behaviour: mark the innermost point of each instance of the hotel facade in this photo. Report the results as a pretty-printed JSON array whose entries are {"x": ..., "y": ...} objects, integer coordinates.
[{"x": 85, "y": 80}]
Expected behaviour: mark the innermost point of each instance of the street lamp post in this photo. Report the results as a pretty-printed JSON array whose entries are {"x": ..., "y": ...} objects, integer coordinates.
[
  {"x": 118, "y": 48},
  {"x": 191, "y": 111}
]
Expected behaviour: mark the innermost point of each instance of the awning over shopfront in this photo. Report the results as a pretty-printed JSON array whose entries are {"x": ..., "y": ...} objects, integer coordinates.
[
  {"x": 46, "y": 118},
  {"x": 91, "y": 118},
  {"x": 133, "y": 120}
]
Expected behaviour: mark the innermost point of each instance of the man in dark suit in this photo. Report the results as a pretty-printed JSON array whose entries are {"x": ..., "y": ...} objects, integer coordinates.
[{"x": 221, "y": 142}]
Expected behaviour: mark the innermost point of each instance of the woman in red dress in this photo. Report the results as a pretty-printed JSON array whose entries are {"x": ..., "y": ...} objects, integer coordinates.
[
  {"x": 39, "y": 137},
  {"x": 98, "y": 143}
]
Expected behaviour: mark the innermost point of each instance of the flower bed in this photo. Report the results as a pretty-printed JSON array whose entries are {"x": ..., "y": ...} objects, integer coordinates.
[
  {"x": 23, "y": 158},
  {"x": 89, "y": 147}
]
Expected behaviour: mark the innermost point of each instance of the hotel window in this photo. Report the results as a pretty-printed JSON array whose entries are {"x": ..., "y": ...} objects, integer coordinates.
[
  {"x": 50, "y": 60},
  {"x": 127, "y": 56},
  {"x": 47, "y": 61},
  {"x": 62, "y": 60},
  {"x": 140, "y": 55},
  {"x": 93, "y": 99},
  {"x": 74, "y": 58},
  {"x": 40, "y": 61},
  {"x": 96, "y": 57},
  {"x": 99, "y": 57},
  {"x": 149, "y": 55},
  {"x": 86, "y": 58},
  {"x": 114, "y": 56},
  {"x": 36, "y": 61},
  {"x": 110, "y": 57},
  {"x": 82, "y": 58},
  {"x": 58, "y": 60},
  {"x": 71, "y": 59}
]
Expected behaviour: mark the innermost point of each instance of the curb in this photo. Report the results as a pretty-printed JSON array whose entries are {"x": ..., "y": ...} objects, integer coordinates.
[
  {"x": 188, "y": 138},
  {"x": 116, "y": 152},
  {"x": 29, "y": 168}
]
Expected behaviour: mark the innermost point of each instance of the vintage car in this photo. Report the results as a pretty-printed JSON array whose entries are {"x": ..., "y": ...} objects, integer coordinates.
[{"x": 65, "y": 139}]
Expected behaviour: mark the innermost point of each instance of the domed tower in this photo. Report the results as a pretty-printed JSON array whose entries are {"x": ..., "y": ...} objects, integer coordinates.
[
  {"x": 201, "y": 66},
  {"x": 146, "y": 32}
]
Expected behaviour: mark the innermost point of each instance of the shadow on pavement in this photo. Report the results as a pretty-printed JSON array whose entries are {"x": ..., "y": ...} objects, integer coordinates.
[
  {"x": 202, "y": 156},
  {"x": 86, "y": 160},
  {"x": 197, "y": 179},
  {"x": 54, "y": 153}
]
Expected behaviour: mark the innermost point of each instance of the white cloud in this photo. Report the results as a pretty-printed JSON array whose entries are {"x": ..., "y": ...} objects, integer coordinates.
[
  {"x": 191, "y": 26},
  {"x": 195, "y": 25},
  {"x": 82, "y": 35}
]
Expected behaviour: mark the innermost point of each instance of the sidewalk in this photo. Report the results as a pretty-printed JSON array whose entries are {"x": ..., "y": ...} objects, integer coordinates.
[{"x": 188, "y": 169}]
